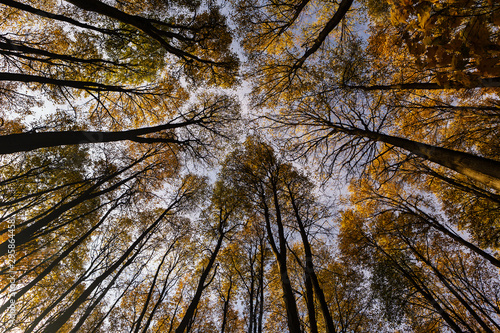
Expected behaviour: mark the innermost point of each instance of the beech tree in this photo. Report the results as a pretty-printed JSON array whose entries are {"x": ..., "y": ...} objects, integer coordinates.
[{"x": 356, "y": 191}]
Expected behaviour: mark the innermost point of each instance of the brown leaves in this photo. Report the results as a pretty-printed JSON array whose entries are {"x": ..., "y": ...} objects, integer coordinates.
[{"x": 455, "y": 36}]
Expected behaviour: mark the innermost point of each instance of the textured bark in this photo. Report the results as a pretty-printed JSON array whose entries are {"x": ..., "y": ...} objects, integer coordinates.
[
  {"x": 481, "y": 169},
  {"x": 14, "y": 143}
]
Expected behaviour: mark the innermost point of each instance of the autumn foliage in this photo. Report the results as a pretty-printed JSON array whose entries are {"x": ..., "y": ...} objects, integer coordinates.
[{"x": 249, "y": 166}]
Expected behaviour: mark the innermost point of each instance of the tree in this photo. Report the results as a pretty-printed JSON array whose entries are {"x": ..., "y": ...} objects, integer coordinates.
[
  {"x": 269, "y": 31},
  {"x": 344, "y": 72},
  {"x": 223, "y": 209},
  {"x": 262, "y": 186},
  {"x": 109, "y": 110},
  {"x": 215, "y": 113},
  {"x": 410, "y": 271},
  {"x": 65, "y": 199},
  {"x": 280, "y": 197}
]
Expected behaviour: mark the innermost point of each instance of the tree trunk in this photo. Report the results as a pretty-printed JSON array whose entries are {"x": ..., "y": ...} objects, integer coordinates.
[
  {"x": 422, "y": 290},
  {"x": 261, "y": 284},
  {"x": 481, "y": 169},
  {"x": 446, "y": 283},
  {"x": 140, "y": 23},
  {"x": 28, "y": 233},
  {"x": 330, "y": 327},
  {"x": 14, "y": 143},
  {"x": 438, "y": 226},
  {"x": 36, "y": 11},
  {"x": 226, "y": 307},
  {"x": 66, "y": 315},
  {"x": 54, "y": 263},
  {"x": 85, "y": 85},
  {"x": 330, "y": 25},
  {"x": 493, "y": 82},
  {"x": 189, "y": 315},
  {"x": 15, "y": 48},
  {"x": 288, "y": 295}
]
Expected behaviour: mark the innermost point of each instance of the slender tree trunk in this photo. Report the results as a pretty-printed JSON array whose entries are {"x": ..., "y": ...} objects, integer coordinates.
[
  {"x": 483, "y": 83},
  {"x": 85, "y": 85},
  {"x": 422, "y": 290},
  {"x": 15, "y": 48},
  {"x": 251, "y": 295},
  {"x": 36, "y": 11},
  {"x": 281, "y": 256},
  {"x": 470, "y": 188},
  {"x": 54, "y": 263},
  {"x": 111, "y": 308},
  {"x": 438, "y": 226},
  {"x": 140, "y": 23},
  {"x": 189, "y": 315},
  {"x": 226, "y": 307},
  {"x": 66, "y": 315},
  {"x": 103, "y": 293},
  {"x": 28, "y": 233},
  {"x": 48, "y": 309},
  {"x": 309, "y": 296},
  {"x": 261, "y": 283},
  {"x": 161, "y": 297},
  {"x": 330, "y": 327},
  {"x": 151, "y": 288},
  {"x": 448, "y": 286},
  {"x": 330, "y": 25}
]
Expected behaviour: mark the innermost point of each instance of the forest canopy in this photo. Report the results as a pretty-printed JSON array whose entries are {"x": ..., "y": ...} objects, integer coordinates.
[{"x": 250, "y": 166}]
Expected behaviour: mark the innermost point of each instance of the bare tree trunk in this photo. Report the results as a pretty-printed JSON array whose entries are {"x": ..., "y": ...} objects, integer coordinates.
[
  {"x": 483, "y": 83},
  {"x": 190, "y": 312},
  {"x": 422, "y": 290},
  {"x": 288, "y": 295},
  {"x": 14, "y": 143},
  {"x": 481, "y": 169},
  {"x": 446, "y": 283},
  {"x": 309, "y": 268},
  {"x": 280, "y": 254},
  {"x": 86, "y": 85},
  {"x": 226, "y": 307}
]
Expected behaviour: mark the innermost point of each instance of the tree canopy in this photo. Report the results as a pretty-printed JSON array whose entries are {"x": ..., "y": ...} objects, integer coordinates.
[{"x": 250, "y": 166}]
